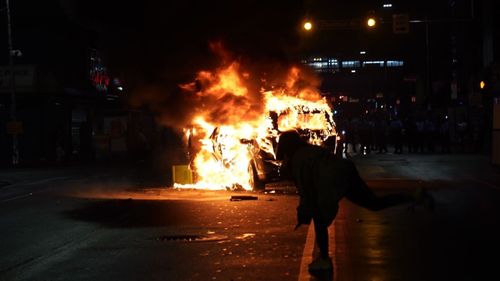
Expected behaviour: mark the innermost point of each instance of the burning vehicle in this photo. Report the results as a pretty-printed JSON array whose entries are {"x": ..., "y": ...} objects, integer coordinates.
[
  {"x": 232, "y": 145},
  {"x": 315, "y": 125}
]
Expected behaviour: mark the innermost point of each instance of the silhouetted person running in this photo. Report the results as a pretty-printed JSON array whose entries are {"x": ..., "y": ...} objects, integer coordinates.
[{"x": 322, "y": 181}]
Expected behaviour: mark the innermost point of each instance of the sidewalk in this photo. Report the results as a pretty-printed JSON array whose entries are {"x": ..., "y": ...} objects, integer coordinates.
[
  {"x": 427, "y": 167},
  {"x": 133, "y": 172}
]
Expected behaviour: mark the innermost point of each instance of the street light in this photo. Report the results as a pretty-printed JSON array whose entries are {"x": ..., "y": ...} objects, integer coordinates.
[
  {"x": 308, "y": 26},
  {"x": 371, "y": 22}
]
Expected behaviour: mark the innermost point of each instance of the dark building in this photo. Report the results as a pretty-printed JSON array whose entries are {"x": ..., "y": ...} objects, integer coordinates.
[
  {"x": 447, "y": 47},
  {"x": 68, "y": 104}
]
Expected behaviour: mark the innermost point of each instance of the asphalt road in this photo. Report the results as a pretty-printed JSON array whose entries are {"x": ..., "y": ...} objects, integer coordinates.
[
  {"x": 74, "y": 224},
  {"x": 79, "y": 230}
]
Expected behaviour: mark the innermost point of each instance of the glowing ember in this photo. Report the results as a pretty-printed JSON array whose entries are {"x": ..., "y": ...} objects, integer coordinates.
[{"x": 235, "y": 128}]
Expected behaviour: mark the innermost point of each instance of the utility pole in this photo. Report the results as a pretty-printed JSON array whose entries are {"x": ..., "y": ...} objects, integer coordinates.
[{"x": 13, "y": 115}]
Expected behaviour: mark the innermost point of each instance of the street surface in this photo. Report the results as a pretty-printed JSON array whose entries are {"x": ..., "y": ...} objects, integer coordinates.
[{"x": 100, "y": 223}]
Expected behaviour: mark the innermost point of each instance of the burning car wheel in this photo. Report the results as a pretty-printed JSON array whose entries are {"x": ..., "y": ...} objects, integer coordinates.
[{"x": 255, "y": 182}]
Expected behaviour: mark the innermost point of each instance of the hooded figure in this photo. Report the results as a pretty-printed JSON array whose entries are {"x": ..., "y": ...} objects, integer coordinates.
[
  {"x": 318, "y": 175},
  {"x": 322, "y": 180}
]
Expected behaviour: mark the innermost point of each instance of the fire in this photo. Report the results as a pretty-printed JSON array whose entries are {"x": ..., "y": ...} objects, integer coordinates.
[
  {"x": 233, "y": 124},
  {"x": 297, "y": 113}
]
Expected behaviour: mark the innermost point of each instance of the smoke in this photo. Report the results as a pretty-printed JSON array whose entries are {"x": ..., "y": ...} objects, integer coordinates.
[
  {"x": 226, "y": 94},
  {"x": 155, "y": 46}
]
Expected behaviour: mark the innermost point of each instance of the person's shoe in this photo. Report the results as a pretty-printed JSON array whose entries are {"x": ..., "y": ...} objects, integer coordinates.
[{"x": 321, "y": 264}]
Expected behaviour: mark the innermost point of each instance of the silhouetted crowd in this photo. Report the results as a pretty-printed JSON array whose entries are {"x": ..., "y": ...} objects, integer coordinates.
[{"x": 413, "y": 135}]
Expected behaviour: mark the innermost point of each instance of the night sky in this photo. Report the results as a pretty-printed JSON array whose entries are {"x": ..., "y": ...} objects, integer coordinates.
[
  {"x": 157, "y": 30},
  {"x": 153, "y": 37},
  {"x": 166, "y": 42}
]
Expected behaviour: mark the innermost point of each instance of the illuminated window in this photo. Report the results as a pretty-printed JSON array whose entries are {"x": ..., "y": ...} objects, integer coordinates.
[
  {"x": 379, "y": 63},
  {"x": 395, "y": 63},
  {"x": 350, "y": 64},
  {"x": 323, "y": 64},
  {"x": 334, "y": 62}
]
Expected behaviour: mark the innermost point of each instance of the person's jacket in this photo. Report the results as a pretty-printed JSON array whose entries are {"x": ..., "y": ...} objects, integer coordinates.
[{"x": 321, "y": 180}]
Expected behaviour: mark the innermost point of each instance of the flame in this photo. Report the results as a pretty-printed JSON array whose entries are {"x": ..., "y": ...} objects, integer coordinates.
[
  {"x": 232, "y": 123},
  {"x": 228, "y": 81}
]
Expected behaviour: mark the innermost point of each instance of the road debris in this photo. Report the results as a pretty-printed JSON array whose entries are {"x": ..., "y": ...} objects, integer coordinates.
[
  {"x": 245, "y": 236},
  {"x": 242, "y": 197}
]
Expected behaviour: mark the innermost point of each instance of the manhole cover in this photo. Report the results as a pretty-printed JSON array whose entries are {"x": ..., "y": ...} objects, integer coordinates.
[{"x": 191, "y": 238}]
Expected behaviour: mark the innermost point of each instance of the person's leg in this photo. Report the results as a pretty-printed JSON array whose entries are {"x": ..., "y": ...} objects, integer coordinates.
[
  {"x": 321, "y": 230},
  {"x": 323, "y": 261},
  {"x": 360, "y": 194}
]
